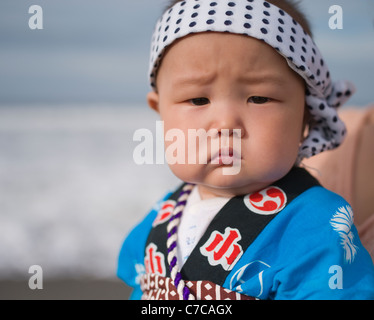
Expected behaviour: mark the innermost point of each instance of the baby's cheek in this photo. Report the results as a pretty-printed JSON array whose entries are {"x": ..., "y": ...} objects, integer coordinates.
[{"x": 187, "y": 172}]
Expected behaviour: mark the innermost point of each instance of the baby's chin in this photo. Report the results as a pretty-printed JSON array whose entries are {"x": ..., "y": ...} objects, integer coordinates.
[
  {"x": 226, "y": 187},
  {"x": 214, "y": 181}
]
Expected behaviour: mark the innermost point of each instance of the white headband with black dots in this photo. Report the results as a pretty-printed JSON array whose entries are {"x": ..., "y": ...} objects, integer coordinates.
[{"x": 264, "y": 21}]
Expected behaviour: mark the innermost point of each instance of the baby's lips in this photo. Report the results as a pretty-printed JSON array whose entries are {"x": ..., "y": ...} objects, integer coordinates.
[{"x": 225, "y": 156}]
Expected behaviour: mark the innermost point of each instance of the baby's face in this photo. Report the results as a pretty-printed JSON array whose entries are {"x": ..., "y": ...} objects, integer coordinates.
[{"x": 216, "y": 81}]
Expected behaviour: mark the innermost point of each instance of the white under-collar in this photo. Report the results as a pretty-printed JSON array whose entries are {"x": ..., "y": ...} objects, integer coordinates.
[{"x": 197, "y": 215}]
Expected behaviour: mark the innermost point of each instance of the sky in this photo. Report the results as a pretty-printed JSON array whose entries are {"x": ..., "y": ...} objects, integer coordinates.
[{"x": 96, "y": 51}]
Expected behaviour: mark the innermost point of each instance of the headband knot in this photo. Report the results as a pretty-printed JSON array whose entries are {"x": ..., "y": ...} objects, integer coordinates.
[{"x": 264, "y": 21}]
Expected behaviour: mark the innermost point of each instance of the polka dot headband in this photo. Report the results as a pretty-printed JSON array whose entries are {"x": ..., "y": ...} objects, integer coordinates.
[{"x": 264, "y": 21}]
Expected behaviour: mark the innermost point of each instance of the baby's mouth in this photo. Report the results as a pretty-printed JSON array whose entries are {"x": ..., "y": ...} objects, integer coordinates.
[{"x": 225, "y": 156}]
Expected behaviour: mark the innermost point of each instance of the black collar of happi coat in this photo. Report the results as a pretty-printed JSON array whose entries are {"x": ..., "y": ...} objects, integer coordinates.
[{"x": 231, "y": 231}]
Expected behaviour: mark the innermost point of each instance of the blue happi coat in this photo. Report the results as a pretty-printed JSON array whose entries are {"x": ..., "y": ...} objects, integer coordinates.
[{"x": 292, "y": 240}]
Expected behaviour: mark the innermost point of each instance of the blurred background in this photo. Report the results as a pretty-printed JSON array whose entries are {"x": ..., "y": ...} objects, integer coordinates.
[{"x": 71, "y": 97}]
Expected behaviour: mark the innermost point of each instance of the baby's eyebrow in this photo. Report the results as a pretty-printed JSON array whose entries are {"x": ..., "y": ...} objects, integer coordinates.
[
  {"x": 198, "y": 79},
  {"x": 194, "y": 79}
]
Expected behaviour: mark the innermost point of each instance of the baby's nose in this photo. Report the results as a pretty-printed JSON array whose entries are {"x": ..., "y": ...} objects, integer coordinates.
[{"x": 228, "y": 116}]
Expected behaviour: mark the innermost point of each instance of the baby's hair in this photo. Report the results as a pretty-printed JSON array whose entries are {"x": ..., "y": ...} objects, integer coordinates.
[{"x": 290, "y": 6}]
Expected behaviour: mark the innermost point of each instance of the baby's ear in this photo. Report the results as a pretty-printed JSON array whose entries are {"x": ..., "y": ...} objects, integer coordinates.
[{"x": 152, "y": 99}]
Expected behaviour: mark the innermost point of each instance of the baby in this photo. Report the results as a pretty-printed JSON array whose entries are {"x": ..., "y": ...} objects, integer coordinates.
[{"x": 248, "y": 73}]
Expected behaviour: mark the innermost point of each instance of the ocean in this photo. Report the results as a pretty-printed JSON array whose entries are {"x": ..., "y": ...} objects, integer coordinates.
[{"x": 70, "y": 190}]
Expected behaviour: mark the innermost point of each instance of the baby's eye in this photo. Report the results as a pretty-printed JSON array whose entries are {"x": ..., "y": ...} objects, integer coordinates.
[
  {"x": 258, "y": 100},
  {"x": 199, "y": 101}
]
